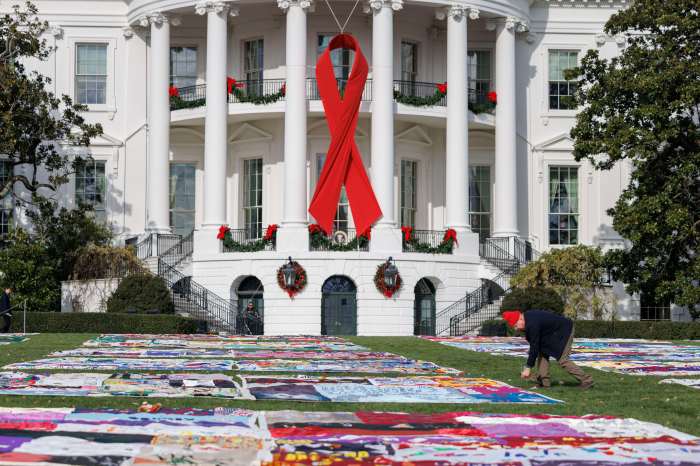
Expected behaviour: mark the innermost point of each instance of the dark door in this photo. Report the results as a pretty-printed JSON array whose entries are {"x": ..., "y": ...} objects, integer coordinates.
[
  {"x": 424, "y": 308},
  {"x": 339, "y": 307}
]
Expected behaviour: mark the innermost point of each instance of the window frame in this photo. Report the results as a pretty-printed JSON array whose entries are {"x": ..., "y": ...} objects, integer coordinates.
[
  {"x": 416, "y": 59},
  {"x": 544, "y": 66},
  {"x": 317, "y": 176},
  {"x": 110, "y": 97},
  {"x": 244, "y": 60},
  {"x": 194, "y": 165},
  {"x": 578, "y": 213},
  {"x": 416, "y": 177},
  {"x": 559, "y": 82},
  {"x": 491, "y": 197},
  {"x": 492, "y": 64},
  {"x": 346, "y": 55},
  {"x": 197, "y": 74},
  {"x": 244, "y": 197},
  {"x": 6, "y": 204},
  {"x": 105, "y": 208}
]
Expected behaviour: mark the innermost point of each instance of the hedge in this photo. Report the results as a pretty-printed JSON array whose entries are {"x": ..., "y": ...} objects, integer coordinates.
[
  {"x": 652, "y": 330},
  {"x": 85, "y": 322}
]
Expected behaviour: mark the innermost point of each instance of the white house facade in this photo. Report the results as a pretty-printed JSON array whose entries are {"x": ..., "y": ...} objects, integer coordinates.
[{"x": 212, "y": 116}]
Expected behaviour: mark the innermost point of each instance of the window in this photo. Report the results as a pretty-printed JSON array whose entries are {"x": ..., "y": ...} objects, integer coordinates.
[
  {"x": 563, "y": 205},
  {"x": 561, "y": 90},
  {"x": 252, "y": 198},
  {"x": 5, "y": 202},
  {"x": 480, "y": 200},
  {"x": 409, "y": 61},
  {"x": 90, "y": 186},
  {"x": 653, "y": 309},
  {"x": 479, "y": 73},
  {"x": 182, "y": 197},
  {"x": 91, "y": 74},
  {"x": 253, "y": 65},
  {"x": 409, "y": 181},
  {"x": 342, "y": 215},
  {"x": 183, "y": 66},
  {"x": 341, "y": 58}
]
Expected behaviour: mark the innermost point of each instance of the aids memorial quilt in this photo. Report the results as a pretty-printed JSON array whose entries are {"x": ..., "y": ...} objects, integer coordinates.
[
  {"x": 134, "y": 352},
  {"x": 635, "y": 357},
  {"x": 306, "y": 438},
  {"x": 368, "y": 366},
  {"x": 120, "y": 384},
  {"x": 227, "y": 437},
  {"x": 692, "y": 383},
  {"x": 126, "y": 364},
  {"x": 9, "y": 338},
  {"x": 235, "y": 437},
  {"x": 388, "y": 390}
]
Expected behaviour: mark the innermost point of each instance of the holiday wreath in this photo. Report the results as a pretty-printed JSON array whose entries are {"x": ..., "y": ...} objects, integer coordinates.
[
  {"x": 299, "y": 279},
  {"x": 381, "y": 285}
]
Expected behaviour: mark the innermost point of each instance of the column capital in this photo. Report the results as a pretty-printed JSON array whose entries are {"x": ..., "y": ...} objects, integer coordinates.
[
  {"x": 510, "y": 23},
  {"x": 457, "y": 12},
  {"x": 376, "y": 5},
  {"x": 303, "y": 4},
  {"x": 157, "y": 18},
  {"x": 128, "y": 32},
  {"x": 218, "y": 7}
]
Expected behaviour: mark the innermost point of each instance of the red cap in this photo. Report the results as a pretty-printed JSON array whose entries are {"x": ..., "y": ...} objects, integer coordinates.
[{"x": 511, "y": 317}]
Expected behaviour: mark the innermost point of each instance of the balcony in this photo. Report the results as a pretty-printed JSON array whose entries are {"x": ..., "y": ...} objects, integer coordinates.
[
  {"x": 268, "y": 91},
  {"x": 242, "y": 240},
  {"x": 341, "y": 240}
]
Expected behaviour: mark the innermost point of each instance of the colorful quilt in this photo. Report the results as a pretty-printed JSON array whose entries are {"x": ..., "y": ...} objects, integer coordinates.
[
  {"x": 239, "y": 437},
  {"x": 692, "y": 383},
  {"x": 636, "y": 357},
  {"x": 8, "y": 338},
  {"x": 126, "y": 364},
  {"x": 135, "y": 352},
  {"x": 367, "y": 366},
  {"x": 388, "y": 390},
  {"x": 120, "y": 384}
]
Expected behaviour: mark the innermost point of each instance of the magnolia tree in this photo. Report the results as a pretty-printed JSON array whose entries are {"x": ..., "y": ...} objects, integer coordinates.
[
  {"x": 32, "y": 119},
  {"x": 643, "y": 108}
]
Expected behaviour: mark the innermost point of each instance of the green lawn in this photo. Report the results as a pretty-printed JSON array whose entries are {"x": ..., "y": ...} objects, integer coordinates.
[{"x": 619, "y": 395}]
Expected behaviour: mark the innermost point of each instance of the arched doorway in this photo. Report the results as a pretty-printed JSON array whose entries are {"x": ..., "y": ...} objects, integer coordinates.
[
  {"x": 339, "y": 306},
  {"x": 424, "y": 308},
  {"x": 249, "y": 320}
]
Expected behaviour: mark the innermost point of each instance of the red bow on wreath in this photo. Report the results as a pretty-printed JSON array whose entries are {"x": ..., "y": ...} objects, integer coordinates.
[
  {"x": 223, "y": 229},
  {"x": 407, "y": 233},
  {"x": 315, "y": 228},
  {"x": 232, "y": 83},
  {"x": 270, "y": 232},
  {"x": 173, "y": 91},
  {"x": 450, "y": 235},
  {"x": 283, "y": 89},
  {"x": 492, "y": 97},
  {"x": 442, "y": 88}
]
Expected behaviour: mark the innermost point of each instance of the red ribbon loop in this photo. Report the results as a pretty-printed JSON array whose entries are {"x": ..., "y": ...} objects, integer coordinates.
[{"x": 343, "y": 161}]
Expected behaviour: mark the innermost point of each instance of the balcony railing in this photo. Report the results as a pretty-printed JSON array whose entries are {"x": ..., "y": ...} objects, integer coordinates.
[
  {"x": 341, "y": 240},
  {"x": 422, "y": 238},
  {"x": 195, "y": 96},
  {"x": 248, "y": 243}
]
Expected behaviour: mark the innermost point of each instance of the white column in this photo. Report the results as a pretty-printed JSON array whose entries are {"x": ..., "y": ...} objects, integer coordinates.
[
  {"x": 158, "y": 217},
  {"x": 506, "y": 182},
  {"x": 457, "y": 150},
  {"x": 386, "y": 237},
  {"x": 216, "y": 119},
  {"x": 293, "y": 234}
]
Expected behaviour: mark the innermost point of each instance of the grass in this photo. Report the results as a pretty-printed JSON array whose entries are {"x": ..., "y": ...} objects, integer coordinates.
[{"x": 639, "y": 397}]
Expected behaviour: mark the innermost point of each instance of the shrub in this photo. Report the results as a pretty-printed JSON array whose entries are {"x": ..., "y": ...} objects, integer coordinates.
[
  {"x": 494, "y": 328},
  {"x": 532, "y": 298},
  {"x": 635, "y": 329},
  {"x": 142, "y": 294},
  {"x": 70, "y": 322},
  {"x": 98, "y": 262}
]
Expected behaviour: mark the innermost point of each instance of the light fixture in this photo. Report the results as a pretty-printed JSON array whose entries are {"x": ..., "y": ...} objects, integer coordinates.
[
  {"x": 290, "y": 274},
  {"x": 390, "y": 273}
]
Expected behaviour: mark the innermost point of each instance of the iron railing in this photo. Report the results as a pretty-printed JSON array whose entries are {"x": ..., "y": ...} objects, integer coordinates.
[
  {"x": 179, "y": 251},
  {"x": 432, "y": 238},
  {"x": 256, "y": 88},
  {"x": 246, "y": 237},
  {"x": 313, "y": 94},
  {"x": 154, "y": 244},
  {"x": 339, "y": 240}
]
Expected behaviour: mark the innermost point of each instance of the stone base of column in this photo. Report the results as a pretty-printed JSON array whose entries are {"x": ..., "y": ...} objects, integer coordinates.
[
  {"x": 386, "y": 240},
  {"x": 468, "y": 244},
  {"x": 293, "y": 238},
  {"x": 206, "y": 242}
]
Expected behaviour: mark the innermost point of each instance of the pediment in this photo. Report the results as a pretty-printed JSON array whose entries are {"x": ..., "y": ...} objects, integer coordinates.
[
  {"x": 414, "y": 135},
  {"x": 247, "y": 133},
  {"x": 183, "y": 136},
  {"x": 562, "y": 143},
  {"x": 319, "y": 130},
  {"x": 102, "y": 140}
]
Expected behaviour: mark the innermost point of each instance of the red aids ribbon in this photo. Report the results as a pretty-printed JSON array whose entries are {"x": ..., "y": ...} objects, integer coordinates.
[{"x": 343, "y": 160}]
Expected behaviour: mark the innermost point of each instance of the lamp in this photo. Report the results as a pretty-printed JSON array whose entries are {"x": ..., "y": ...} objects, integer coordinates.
[
  {"x": 390, "y": 273},
  {"x": 290, "y": 274}
]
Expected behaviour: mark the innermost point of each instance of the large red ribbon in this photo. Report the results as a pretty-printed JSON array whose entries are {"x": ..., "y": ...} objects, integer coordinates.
[{"x": 343, "y": 160}]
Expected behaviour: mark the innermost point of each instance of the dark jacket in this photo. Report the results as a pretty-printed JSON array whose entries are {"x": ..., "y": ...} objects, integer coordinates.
[
  {"x": 4, "y": 302},
  {"x": 547, "y": 334}
]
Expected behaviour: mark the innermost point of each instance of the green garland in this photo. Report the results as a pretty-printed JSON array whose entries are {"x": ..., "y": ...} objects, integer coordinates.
[
  {"x": 444, "y": 247},
  {"x": 234, "y": 246},
  {"x": 429, "y": 101},
  {"x": 320, "y": 241},
  {"x": 178, "y": 103},
  {"x": 255, "y": 99}
]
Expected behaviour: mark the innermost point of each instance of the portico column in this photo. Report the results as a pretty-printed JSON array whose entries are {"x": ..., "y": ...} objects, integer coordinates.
[
  {"x": 158, "y": 217},
  {"x": 293, "y": 234},
  {"x": 386, "y": 236},
  {"x": 216, "y": 118},
  {"x": 506, "y": 181}
]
